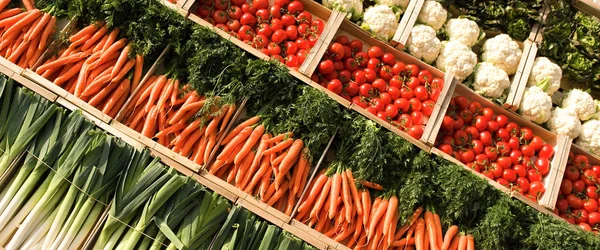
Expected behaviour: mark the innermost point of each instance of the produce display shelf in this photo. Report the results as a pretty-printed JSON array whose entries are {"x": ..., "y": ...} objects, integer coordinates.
[{"x": 588, "y": 6}]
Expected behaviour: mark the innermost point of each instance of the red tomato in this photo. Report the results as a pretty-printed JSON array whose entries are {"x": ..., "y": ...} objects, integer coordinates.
[
  {"x": 388, "y": 59},
  {"x": 412, "y": 69},
  {"x": 264, "y": 29},
  {"x": 594, "y": 218},
  {"x": 584, "y": 226},
  {"x": 352, "y": 89},
  {"x": 513, "y": 129},
  {"x": 580, "y": 215},
  {"x": 291, "y": 32},
  {"x": 591, "y": 192},
  {"x": 414, "y": 104},
  {"x": 513, "y": 142},
  {"x": 404, "y": 122},
  {"x": 385, "y": 97},
  {"x": 342, "y": 39},
  {"x": 523, "y": 183},
  {"x": 413, "y": 82},
  {"x": 355, "y": 45},
  {"x": 502, "y": 120},
  {"x": 234, "y": 25},
  {"x": 486, "y": 138},
  {"x": 466, "y": 156},
  {"x": 481, "y": 123},
  {"x": 385, "y": 72},
  {"x": 503, "y": 148},
  {"x": 477, "y": 146},
  {"x": 275, "y": 11},
  {"x": 337, "y": 65},
  {"x": 359, "y": 77},
  {"x": 536, "y": 188},
  {"x": 590, "y": 205},
  {"x": 416, "y": 132},
  {"x": 380, "y": 85},
  {"x": 574, "y": 201},
  {"x": 488, "y": 113},
  {"x": 502, "y": 134},
  {"x": 260, "y": 4},
  {"x": 279, "y": 36},
  {"x": 460, "y": 137},
  {"x": 589, "y": 177},
  {"x": 220, "y": 16},
  {"x": 515, "y": 156},
  {"x": 509, "y": 175},
  {"x": 378, "y": 104},
  {"x": 335, "y": 86},
  {"x": 417, "y": 118},
  {"x": 398, "y": 68},
  {"x": 475, "y": 108},
  {"x": 503, "y": 182},
  {"x": 221, "y": 4},
  {"x": 274, "y": 49},
  {"x": 288, "y": 20},
  {"x": 262, "y": 15},
  {"x": 596, "y": 169},
  {"x": 427, "y": 107},
  {"x": 473, "y": 132},
  {"x": 527, "y": 150},
  {"x": 370, "y": 74},
  {"x": 249, "y": 8},
  {"x": 365, "y": 90},
  {"x": 533, "y": 175},
  {"x": 276, "y": 24},
  {"x": 492, "y": 126},
  {"x": 447, "y": 123},
  {"x": 238, "y": 2},
  {"x": 351, "y": 64},
  {"x": 246, "y": 32},
  {"x": 361, "y": 57},
  {"x": 578, "y": 186},
  {"x": 303, "y": 44},
  {"x": 446, "y": 148},
  {"x": 394, "y": 92},
  {"x": 581, "y": 161},
  {"x": 359, "y": 101},
  {"x": 248, "y": 19},
  {"x": 326, "y": 67},
  {"x": 496, "y": 170},
  {"x": 292, "y": 61},
  {"x": 566, "y": 187},
  {"x": 374, "y": 64},
  {"x": 261, "y": 41},
  {"x": 318, "y": 26},
  {"x": 520, "y": 170},
  {"x": 234, "y": 12},
  {"x": 345, "y": 76},
  {"x": 543, "y": 165},
  {"x": 295, "y": 7},
  {"x": 278, "y": 58},
  {"x": 562, "y": 205},
  {"x": 375, "y": 52},
  {"x": 504, "y": 162},
  {"x": 572, "y": 173},
  {"x": 526, "y": 133},
  {"x": 304, "y": 17},
  {"x": 421, "y": 93},
  {"x": 391, "y": 110}
]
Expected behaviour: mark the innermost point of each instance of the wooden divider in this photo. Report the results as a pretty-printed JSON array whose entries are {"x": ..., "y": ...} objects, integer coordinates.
[
  {"x": 519, "y": 82},
  {"x": 407, "y": 23},
  {"x": 313, "y": 59},
  {"x": 439, "y": 111},
  {"x": 588, "y": 6}
]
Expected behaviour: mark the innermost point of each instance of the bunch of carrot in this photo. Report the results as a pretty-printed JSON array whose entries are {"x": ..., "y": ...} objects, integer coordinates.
[
  {"x": 25, "y": 34},
  {"x": 95, "y": 68},
  {"x": 424, "y": 233},
  {"x": 274, "y": 168},
  {"x": 162, "y": 110}
]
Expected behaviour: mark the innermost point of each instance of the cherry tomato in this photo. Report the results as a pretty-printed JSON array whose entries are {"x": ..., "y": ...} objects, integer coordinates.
[
  {"x": 526, "y": 133},
  {"x": 304, "y": 17},
  {"x": 502, "y": 134},
  {"x": 520, "y": 170},
  {"x": 578, "y": 186},
  {"x": 492, "y": 126},
  {"x": 515, "y": 156},
  {"x": 504, "y": 162},
  {"x": 351, "y": 64},
  {"x": 536, "y": 188},
  {"x": 374, "y": 64},
  {"x": 475, "y": 108},
  {"x": 481, "y": 123},
  {"x": 375, "y": 52},
  {"x": 335, "y": 86},
  {"x": 248, "y": 19},
  {"x": 503, "y": 148},
  {"x": 359, "y": 101},
  {"x": 365, "y": 90},
  {"x": 398, "y": 68},
  {"x": 249, "y": 8},
  {"x": 295, "y": 7},
  {"x": 527, "y": 150},
  {"x": 502, "y": 120},
  {"x": 562, "y": 205},
  {"x": 413, "y": 82},
  {"x": 391, "y": 110},
  {"x": 427, "y": 108},
  {"x": 288, "y": 20},
  {"x": 388, "y": 59},
  {"x": 385, "y": 72},
  {"x": 591, "y": 192},
  {"x": 404, "y": 122},
  {"x": 589, "y": 177},
  {"x": 590, "y": 205},
  {"x": 447, "y": 123},
  {"x": 274, "y": 49},
  {"x": 424, "y": 76},
  {"x": 275, "y": 11},
  {"x": 513, "y": 142},
  {"x": 574, "y": 201},
  {"x": 473, "y": 132},
  {"x": 416, "y": 132},
  {"x": 380, "y": 85},
  {"x": 352, "y": 89},
  {"x": 291, "y": 32},
  {"x": 581, "y": 161},
  {"x": 414, "y": 104},
  {"x": 370, "y": 74},
  {"x": 460, "y": 137},
  {"x": 326, "y": 67},
  {"x": 572, "y": 173},
  {"x": 594, "y": 218},
  {"x": 523, "y": 183},
  {"x": 496, "y": 170},
  {"x": 543, "y": 165},
  {"x": 385, "y": 97},
  {"x": 466, "y": 156},
  {"x": 486, "y": 138},
  {"x": 355, "y": 46},
  {"x": 417, "y": 117},
  {"x": 264, "y": 29},
  {"x": 292, "y": 61},
  {"x": 318, "y": 26},
  {"x": 533, "y": 175},
  {"x": 477, "y": 146},
  {"x": 234, "y": 25},
  {"x": 513, "y": 129},
  {"x": 303, "y": 44},
  {"x": 246, "y": 32},
  {"x": 262, "y": 15},
  {"x": 344, "y": 75},
  {"x": 446, "y": 148},
  {"x": 412, "y": 69}
]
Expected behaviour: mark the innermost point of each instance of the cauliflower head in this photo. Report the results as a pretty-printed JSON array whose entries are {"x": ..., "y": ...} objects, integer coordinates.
[
  {"x": 580, "y": 101},
  {"x": 536, "y": 105},
  {"x": 394, "y": 3},
  {"x": 381, "y": 21},
  {"x": 457, "y": 58},
  {"x": 423, "y": 43},
  {"x": 546, "y": 75},
  {"x": 589, "y": 138},
  {"x": 462, "y": 30},
  {"x": 432, "y": 14},
  {"x": 597, "y": 114},
  {"x": 352, "y": 8},
  {"x": 490, "y": 80},
  {"x": 503, "y": 52},
  {"x": 564, "y": 122}
]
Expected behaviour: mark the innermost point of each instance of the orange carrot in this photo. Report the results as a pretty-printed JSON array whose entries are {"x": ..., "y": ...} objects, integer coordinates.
[
  {"x": 227, "y": 117},
  {"x": 431, "y": 230},
  {"x": 420, "y": 234},
  {"x": 366, "y": 202},
  {"x": 455, "y": 241},
  {"x": 112, "y": 37},
  {"x": 121, "y": 61},
  {"x": 165, "y": 92},
  {"x": 126, "y": 68},
  {"x": 470, "y": 242},
  {"x": 190, "y": 142},
  {"x": 376, "y": 216},
  {"x": 31, "y": 16},
  {"x": 277, "y": 161},
  {"x": 199, "y": 155},
  {"x": 242, "y": 136},
  {"x": 371, "y": 185},
  {"x": 289, "y": 208},
  {"x": 320, "y": 202},
  {"x": 278, "y": 194},
  {"x": 280, "y": 137},
  {"x": 187, "y": 109},
  {"x": 312, "y": 195},
  {"x": 123, "y": 89},
  {"x": 61, "y": 62},
  {"x": 299, "y": 172},
  {"x": 156, "y": 91},
  {"x": 98, "y": 46},
  {"x": 137, "y": 72},
  {"x": 115, "y": 110},
  {"x": 462, "y": 243},
  {"x": 256, "y": 161},
  {"x": 146, "y": 90},
  {"x": 336, "y": 186},
  {"x": 426, "y": 242},
  {"x": 279, "y": 147},
  {"x": 449, "y": 236},
  {"x": 258, "y": 176},
  {"x": 290, "y": 159},
  {"x": 28, "y": 4},
  {"x": 250, "y": 142},
  {"x": 111, "y": 50},
  {"x": 47, "y": 32},
  {"x": 244, "y": 168},
  {"x": 98, "y": 36},
  {"x": 305, "y": 173},
  {"x": 346, "y": 196},
  {"x": 90, "y": 29},
  {"x": 354, "y": 192},
  {"x": 10, "y": 21},
  {"x": 234, "y": 132},
  {"x": 171, "y": 129},
  {"x": 7, "y": 13},
  {"x": 403, "y": 242},
  {"x": 438, "y": 230},
  {"x": 39, "y": 26},
  {"x": 392, "y": 208},
  {"x": 175, "y": 91},
  {"x": 150, "y": 123},
  {"x": 216, "y": 119},
  {"x": 212, "y": 140},
  {"x": 99, "y": 97}
]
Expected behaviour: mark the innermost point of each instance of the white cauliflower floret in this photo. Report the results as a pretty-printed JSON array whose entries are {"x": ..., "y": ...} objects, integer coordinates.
[
  {"x": 564, "y": 122},
  {"x": 381, "y": 21},
  {"x": 433, "y": 14},
  {"x": 423, "y": 43},
  {"x": 597, "y": 114},
  {"x": 457, "y": 58},
  {"x": 546, "y": 75},
  {"x": 490, "y": 80},
  {"x": 580, "y": 101},
  {"x": 462, "y": 30},
  {"x": 397, "y": 3},
  {"x": 589, "y": 138},
  {"x": 352, "y": 8},
  {"x": 535, "y": 105},
  {"x": 503, "y": 52}
]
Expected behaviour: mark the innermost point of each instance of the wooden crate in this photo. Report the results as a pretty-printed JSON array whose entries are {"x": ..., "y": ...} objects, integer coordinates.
[
  {"x": 407, "y": 23},
  {"x": 519, "y": 81},
  {"x": 588, "y": 6},
  {"x": 317, "y": 11},
  {"x": 559, "y": 143}
]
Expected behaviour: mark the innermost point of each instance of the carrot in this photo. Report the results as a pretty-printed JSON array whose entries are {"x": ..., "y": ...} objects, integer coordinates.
[
  {"x": 10, "y": 21},
  {"x": 290, "y": 159},
  {"x": 190, "y": 142},
  {"x": 431, "y": 229},
  {"x": 7, "y": 13},
  {"x": 80, "y": 41},
  {"x": 97, "y": 84},
  {"x": 185, "y": 110},
  {"x": 39, "y": 26},
  {"x": 227, "y": 117},
  {"x": 336, "y": 186},
  {"x": 462, "y": 242},
  {"x": 305, "y": 173},
  {"x": 122, "y": 90},
  {"x": 279, "y": 147},
  {"x": 346, "y": 196},
  {"x": 420, "y": 234},
  {"x": 354, "y": 192},
  {"x": 234, "y": 132},
  {"x": 345, "y": 233},
  {"x": 371, "y": 185},
  {"x": 14, "y": 57},
  {"x": 36, "y": 56},
  {"x": 449, "y": 236},
  {"x": 413, "y": 220},
  {"x": 47, "y": 32},
  {"x": 170, "y": 129},
  {"x": 244, "y": 168},
  {"x": 212, "y": 140},
  {"x": 150, "y": 123},
  {"x": 165, "y": 92},
  {"x": 242, "y": 136},
  {"x": 277, "y": 161},
  {"x": 121, "y": 61},
  {"x": 470, "y": 242},
  {"x": 299, "y": 172},
  {"x": 137, "y": 72},
  {"x": 320, "y": 202},
  {"x": 88, "y": 30},
  {"x": 438, "y": 230},
  {"x": 98, "y": 36},
  {"x": 426, "y": 242},
  {"x": 312, "y": 195},
  {"x": 111, "y": 50},
  {"x": 256, "y": 161},
  {"x": 392, "y": 208},
  {"x": 376, "y": 216},
  {"x": 190, "y": 128},
  {"x": 102, "y": 94},
  {"x": 454, "y": 243},
  {"x": 216, "y": 119},
  {"x": 200, "y": 149},
  {"x": 280, "y": 137},
  {"x": 278, "y": 194},
  {"x": 145, "y": 91},
  {"x": 183, "y": 99},
  {"x": 28, "y": 4},
  {"x": 289, "y": 206},
  {"x": 359, "y": 228},
  {"x": 321, "y": 223},
  {"x": 126, "y": 68},
  {"x": 112, "y": 37},
  {"x": 366, "y": 202},
  {"x": 61, "y": 62},
  {"x": 377, "y": 236},
  {"x": 31, "y": 16},
  {"x": 403, "y": 242},
  {"x": 175, "y": 91},
  {"x": 154, "y": 95},
  {"x": 256, "y": 134},
  {"x": 258, "y": 176},
  {"x": 411, "y": 232}
]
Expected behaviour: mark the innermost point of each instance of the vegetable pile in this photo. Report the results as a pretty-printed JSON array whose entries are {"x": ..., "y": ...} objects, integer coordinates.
[
  {"x": 284, "y": 31},
  {"x": 578, "y": 198},
  {"x": 571, "y": 40},
  {"x": 396, "y": 92},
  {"x": 492, "y": 145},
  {"x": 26, "y": 34}
]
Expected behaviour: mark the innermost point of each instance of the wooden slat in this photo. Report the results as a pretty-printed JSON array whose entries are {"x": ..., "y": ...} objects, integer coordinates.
[
  {"x": 252, "y": 207},
  {"x": 187, "y": 5},
  {"x": 409, "y": 18},
  {"x": 133, "y": 134},
  {"x": 316, "y": 53},
  {"x": 304, "y": 234},
  {"x": 38, "y": 89},
  {"x": 558, "y": 165},
  {"x": 60, "y": 92},
  {"x": 439, "y": 111},
  {"x": 588, "y": 6},
  {"x": 519, "y": 83},
  {"x": 200, "y": 178},
  {"x": 11, "y": 66}
]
